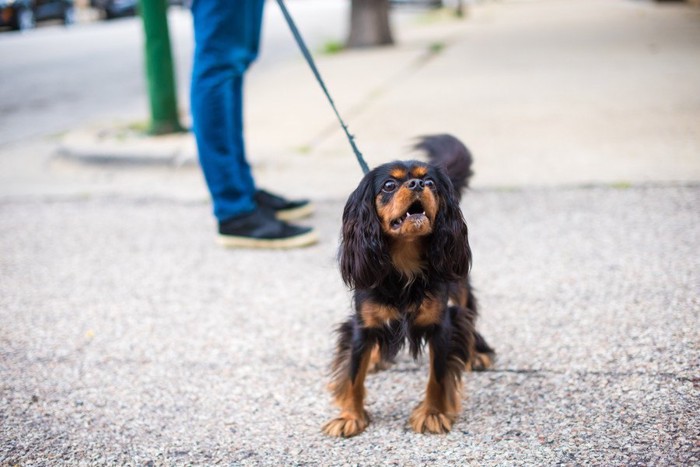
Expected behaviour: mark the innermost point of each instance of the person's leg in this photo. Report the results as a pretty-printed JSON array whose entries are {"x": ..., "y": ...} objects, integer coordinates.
[{"x": 227, "y": 36}]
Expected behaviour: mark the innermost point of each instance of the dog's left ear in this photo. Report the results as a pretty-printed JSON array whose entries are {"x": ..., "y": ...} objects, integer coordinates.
[
  {"x": 364, "y": 254},
  {"x": 450, "y": 255}
]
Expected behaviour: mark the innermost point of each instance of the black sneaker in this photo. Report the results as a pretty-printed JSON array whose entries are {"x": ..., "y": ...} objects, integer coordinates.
[
  {"x": 260, "y": 229},
  {"x": 284, "y": 209}
]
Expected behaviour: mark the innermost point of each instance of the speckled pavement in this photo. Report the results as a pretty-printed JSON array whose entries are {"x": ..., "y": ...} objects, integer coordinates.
[{"x": 128, "y": 337}]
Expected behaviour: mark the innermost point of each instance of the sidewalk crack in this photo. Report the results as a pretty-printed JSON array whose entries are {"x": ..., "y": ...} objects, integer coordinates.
[{"x": 546, "y": 372}]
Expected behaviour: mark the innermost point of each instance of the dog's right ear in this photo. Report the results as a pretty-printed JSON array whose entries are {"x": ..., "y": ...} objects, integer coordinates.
[{"x": 364, "y": 254}]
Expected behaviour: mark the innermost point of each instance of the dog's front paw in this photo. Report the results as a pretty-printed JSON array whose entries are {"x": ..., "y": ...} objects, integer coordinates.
[
  {"x": 428, "y": 420},
  {"x": 346, "y": 425}
]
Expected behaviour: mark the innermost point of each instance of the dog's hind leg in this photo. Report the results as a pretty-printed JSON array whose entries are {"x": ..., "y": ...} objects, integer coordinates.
[
  {"x": 350, "y": 367},
  {"x": 376, "y": 361},
  {"x": 483, "y": 355}
]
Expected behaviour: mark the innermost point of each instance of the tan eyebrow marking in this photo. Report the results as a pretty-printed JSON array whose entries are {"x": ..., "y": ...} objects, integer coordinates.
[
  {"x": 419, "y": 172},
  {"x": 398, "y": 173}
]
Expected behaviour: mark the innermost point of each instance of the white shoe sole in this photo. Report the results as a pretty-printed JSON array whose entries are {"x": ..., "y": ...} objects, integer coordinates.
[
  {"x": 230, "y": 241},
  {"x": 296, "y": 213}
]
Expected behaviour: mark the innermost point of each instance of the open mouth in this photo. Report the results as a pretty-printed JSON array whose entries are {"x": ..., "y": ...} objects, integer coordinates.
[{"x": 415, "y": 212}]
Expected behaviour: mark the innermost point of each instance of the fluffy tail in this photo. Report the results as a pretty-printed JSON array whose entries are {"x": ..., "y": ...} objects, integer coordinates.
[{"x": 449, "y": 153}]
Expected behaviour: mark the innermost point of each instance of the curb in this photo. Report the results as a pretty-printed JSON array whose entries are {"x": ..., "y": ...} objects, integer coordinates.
[{"x": 118, "y": 145}]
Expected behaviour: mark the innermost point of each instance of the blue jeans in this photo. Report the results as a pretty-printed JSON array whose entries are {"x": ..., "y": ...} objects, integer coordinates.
[{"x": 227, "y": 37}]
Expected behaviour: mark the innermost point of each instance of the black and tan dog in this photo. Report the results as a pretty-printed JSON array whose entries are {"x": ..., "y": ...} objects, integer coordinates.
[{"x": 405, "y": 252}]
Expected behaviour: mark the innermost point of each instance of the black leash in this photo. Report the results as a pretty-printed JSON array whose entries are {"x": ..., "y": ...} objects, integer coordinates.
[{"x": 310, "y": 61}]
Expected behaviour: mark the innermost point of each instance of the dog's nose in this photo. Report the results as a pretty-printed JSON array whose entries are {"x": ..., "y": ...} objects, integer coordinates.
[{"x": 415, "y": 184}]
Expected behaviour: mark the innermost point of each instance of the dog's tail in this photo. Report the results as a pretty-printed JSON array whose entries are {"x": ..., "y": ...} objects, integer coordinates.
[{"x": 452, "y": 155}]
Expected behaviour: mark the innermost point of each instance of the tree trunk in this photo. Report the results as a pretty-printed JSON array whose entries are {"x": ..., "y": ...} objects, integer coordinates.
[{"x": 369, "y": 24}]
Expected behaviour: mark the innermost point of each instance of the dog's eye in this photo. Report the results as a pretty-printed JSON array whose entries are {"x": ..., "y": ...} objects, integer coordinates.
[
  {"x": 429, "y": 183},
  {"x": 389, "y": 186}
]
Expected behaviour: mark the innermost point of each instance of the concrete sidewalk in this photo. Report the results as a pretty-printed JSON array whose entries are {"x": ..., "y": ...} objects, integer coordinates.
[
  {"x": 544, "y": 93},
  {"x": 129, "y": 337}
]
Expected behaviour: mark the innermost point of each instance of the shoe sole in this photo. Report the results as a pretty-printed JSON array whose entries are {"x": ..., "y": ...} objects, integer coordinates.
[
  {"x": 298, "y": 241},
  {"x": 295, "y": 213}
]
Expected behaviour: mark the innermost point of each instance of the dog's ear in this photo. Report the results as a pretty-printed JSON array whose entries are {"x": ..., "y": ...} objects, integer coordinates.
[
  {"x": 450, "y": 255},
  {"x": 364, "y": 254}
]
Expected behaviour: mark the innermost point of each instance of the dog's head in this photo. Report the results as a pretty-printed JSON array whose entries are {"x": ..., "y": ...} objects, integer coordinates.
[{"x": 400, "y": 207}]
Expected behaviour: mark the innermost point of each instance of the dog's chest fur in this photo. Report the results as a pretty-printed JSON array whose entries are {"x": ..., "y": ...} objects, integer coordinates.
[{"x": 407, "y": 257}]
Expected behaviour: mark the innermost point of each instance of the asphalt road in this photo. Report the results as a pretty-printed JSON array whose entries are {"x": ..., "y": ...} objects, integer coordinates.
[{"x": 56, "y": 78}]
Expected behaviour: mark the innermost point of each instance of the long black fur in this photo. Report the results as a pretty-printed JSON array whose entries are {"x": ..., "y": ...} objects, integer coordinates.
[{"x": 365, "y": 261}]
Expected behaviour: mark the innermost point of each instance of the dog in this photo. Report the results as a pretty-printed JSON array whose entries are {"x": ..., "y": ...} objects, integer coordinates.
[{"x": 405, "y": 252}]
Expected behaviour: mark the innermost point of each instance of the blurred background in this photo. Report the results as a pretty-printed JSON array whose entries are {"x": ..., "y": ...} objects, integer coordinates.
[{"x": 544, "y": 92}]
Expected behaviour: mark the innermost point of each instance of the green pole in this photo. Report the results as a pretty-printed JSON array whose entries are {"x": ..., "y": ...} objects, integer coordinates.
[{"x": 159, "y": 68}]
